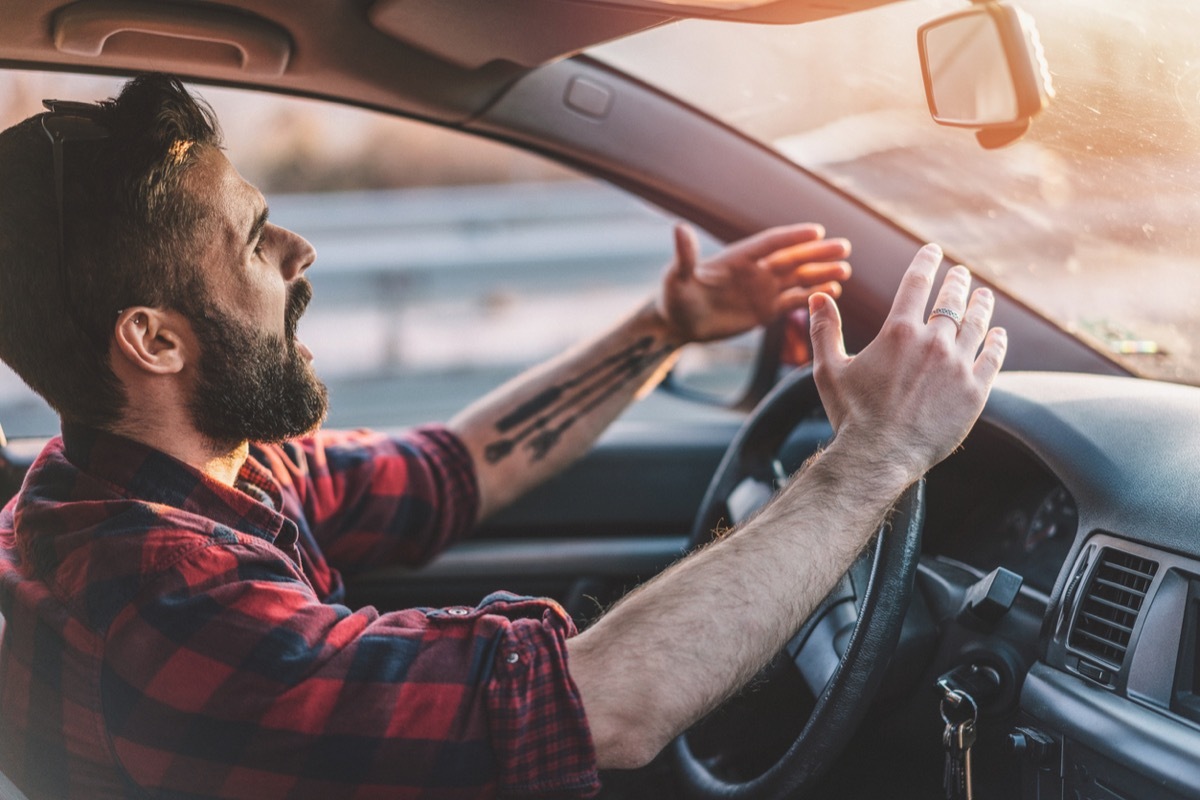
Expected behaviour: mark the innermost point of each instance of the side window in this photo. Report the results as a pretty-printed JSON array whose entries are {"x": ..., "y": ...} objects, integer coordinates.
[{"x": 445, "y": 263}]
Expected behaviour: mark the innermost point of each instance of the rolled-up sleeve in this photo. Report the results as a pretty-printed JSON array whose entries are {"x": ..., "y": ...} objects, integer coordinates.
[
  {"x": 250, "y": 688},
  {"x": 535, "y": 714}
]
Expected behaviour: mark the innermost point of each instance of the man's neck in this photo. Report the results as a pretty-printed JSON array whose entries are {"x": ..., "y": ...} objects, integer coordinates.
[
  {"x": 225, "y": 466},
  {"x": 220, "y": 462}
]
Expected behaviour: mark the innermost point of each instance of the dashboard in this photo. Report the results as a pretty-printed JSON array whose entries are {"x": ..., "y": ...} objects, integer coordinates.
[
  {"x": 1089, "y": 488},
  {"x": 1017, "y": 515}
]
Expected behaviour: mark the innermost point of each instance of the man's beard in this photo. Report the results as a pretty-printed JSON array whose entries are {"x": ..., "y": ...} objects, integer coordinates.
[{"x": 254, "y": 386}]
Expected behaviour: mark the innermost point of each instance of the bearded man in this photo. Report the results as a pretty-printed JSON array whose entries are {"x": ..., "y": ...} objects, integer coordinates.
[{"x": 170, "y": 571}]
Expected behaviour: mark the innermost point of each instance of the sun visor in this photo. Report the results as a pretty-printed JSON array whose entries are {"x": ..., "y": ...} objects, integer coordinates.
[
  {"x": 472, "y": 33},
  {"x": 771, "y": 12}
]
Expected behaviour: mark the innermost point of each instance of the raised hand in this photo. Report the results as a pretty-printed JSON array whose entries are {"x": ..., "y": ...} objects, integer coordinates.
[
  {"x": 750, "y": 282},
  {"x": 914, "y": 392}
]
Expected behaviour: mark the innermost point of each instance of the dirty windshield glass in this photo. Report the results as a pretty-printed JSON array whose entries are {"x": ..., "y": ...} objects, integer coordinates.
[{"x": 1089, "y": 219}]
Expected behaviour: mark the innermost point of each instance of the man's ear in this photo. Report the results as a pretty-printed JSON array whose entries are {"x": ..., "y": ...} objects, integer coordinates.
[{"x": 152, "y": 339}]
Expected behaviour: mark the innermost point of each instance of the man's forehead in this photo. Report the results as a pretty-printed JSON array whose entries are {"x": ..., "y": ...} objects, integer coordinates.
[{"x": 232, "y": 203}]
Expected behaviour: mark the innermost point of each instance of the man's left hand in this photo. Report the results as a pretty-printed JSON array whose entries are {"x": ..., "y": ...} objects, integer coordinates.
[{"x": 749, "y": 283}]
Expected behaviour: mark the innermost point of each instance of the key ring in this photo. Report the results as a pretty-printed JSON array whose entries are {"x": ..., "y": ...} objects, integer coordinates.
[{"x": 956, "y": 698}]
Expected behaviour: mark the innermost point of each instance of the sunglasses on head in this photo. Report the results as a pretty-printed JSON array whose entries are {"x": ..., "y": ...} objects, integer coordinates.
[{"x": 67, "y": 122}]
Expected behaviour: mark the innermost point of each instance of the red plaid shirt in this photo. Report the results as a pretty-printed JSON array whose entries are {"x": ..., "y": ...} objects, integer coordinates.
[{"x": 170, "y": 636}]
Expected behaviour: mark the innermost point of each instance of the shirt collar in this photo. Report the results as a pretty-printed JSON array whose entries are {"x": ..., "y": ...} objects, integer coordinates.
[{"x": 141, "y": 472}]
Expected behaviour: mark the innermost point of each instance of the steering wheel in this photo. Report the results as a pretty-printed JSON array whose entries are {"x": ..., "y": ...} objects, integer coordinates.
[{"x": 842, "y": 651}]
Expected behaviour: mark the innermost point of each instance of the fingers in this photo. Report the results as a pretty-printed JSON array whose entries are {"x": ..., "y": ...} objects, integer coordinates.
[
  {"x": 812, "y": 275},
  {"x": 764, "y": 243},
  {"x": 792, "y": 299},
  {"x": 687, "y": 251},
  {"x": 975, "y": 314},
  {"x": 825, "y": 327},
  {"x": 951, "y": 303},
  {"x": 913, "y": 294},
  {"x": 788, "y": 258},
  {"x": 805, "y": 269},
  {"x": 991, "y": 358},
  {"x": 976, "y": 319}
]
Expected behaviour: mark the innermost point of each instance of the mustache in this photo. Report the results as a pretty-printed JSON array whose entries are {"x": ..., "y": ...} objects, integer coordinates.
[{"x": 299, "y": 296}]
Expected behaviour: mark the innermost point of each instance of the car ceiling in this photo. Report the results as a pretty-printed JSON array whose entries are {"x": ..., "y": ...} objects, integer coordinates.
[{"x": 443, "y": 60}]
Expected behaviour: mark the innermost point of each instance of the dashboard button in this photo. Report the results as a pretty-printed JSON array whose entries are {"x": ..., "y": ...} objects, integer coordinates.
[{"x": 1096, "y": 673}]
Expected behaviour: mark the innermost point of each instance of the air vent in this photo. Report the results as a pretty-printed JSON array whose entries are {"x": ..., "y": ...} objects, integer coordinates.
[{"x": 1109, "y": 609}]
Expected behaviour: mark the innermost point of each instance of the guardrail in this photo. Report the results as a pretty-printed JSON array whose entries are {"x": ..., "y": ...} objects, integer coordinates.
[
  {"x": 449, "y": 240},
  {"x": 436, "y": 281}
]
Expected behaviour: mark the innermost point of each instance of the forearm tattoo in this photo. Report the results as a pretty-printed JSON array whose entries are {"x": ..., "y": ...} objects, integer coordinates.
[{"x": 540, "y": 422}]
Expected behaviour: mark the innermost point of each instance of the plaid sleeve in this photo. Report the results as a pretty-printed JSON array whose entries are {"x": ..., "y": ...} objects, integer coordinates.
[
  {"x": 371, "y": 499},
  {"x": 253, "y": 688},
  {"x": 535, "y": 713}
]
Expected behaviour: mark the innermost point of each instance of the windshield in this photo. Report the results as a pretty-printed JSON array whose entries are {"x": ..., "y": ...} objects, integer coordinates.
[{"x": 1088, "y": 219}]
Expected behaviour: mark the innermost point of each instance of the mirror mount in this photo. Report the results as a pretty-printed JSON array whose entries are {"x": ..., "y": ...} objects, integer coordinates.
[
  {"x": 984, "y": 68},
  {"x": 997, "y": 136}
]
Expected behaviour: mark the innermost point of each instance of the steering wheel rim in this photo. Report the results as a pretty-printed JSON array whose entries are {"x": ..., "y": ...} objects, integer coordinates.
[{"x": 893, "y": 558}]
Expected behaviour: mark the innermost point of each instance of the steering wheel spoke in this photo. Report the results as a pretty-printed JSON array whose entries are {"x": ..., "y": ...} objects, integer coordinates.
[
  {"x": 817, "y": 656},
  {"x": 747, "y": 498},
  {"x": 821, "y": 643}
]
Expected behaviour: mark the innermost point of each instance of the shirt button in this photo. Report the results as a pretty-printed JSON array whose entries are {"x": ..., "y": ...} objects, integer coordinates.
[
  {"x": 512, "y": 658},
  {"x": 458, "y": 612}
]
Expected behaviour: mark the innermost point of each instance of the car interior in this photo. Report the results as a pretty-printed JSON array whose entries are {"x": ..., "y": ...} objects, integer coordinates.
[{"x": 1048, "y": 570}]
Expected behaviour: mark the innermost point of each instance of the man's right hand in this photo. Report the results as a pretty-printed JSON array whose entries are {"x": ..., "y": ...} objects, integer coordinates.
[{"x": 910, "y": 397}]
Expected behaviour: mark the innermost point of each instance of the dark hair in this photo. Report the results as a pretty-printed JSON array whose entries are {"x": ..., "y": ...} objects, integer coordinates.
[{"x": 128, "y": 228}]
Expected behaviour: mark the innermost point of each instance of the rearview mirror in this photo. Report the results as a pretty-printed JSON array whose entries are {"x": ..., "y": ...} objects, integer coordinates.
[{"x": 985, "y": 68}]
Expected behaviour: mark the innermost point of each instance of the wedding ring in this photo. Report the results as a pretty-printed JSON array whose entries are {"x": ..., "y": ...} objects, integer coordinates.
[{"x": 950, "y": 314}]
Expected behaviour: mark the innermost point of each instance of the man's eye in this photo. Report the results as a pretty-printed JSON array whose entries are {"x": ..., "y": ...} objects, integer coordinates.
[{"x": 258, "y": 246}]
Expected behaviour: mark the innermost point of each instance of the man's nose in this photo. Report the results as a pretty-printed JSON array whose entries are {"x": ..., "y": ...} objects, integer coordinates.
[{"x": 299, "y": 256}]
